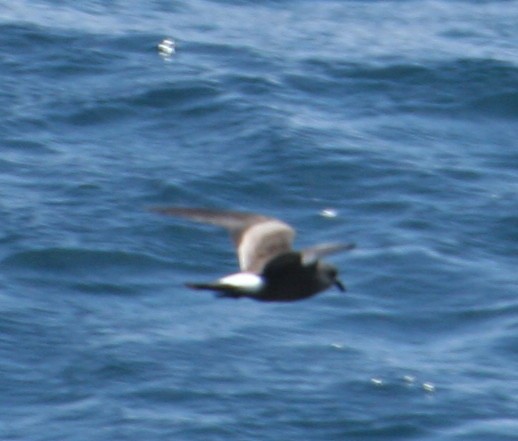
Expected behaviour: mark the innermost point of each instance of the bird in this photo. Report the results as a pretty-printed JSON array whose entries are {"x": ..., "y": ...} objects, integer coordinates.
[{"x": 270, "y": 270}]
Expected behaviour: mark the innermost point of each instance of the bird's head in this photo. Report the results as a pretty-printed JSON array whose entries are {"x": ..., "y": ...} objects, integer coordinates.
[{"x": 328, "y": 274}]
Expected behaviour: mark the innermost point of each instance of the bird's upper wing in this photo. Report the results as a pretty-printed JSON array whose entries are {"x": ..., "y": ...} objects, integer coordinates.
[
  {"x": 262, "y": 241},
  {"x": 257, "y": 238}
]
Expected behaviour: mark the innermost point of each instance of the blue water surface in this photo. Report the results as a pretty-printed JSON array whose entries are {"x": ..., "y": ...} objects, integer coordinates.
[{"x": 392, "y": 124}]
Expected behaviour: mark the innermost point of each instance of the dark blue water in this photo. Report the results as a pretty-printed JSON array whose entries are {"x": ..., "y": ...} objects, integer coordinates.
[{"x": 401, "y": 116}]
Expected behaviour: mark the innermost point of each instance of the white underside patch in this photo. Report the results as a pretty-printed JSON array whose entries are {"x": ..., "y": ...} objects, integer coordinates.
[{"x": 247, "y": 282}]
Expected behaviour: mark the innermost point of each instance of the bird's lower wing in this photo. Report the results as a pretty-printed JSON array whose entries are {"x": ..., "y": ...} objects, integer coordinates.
[{"x": 311, "y": 255}]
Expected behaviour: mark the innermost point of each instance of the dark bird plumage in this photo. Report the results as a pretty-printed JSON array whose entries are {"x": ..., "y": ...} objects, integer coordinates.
[{"x": 270, "y": 269}]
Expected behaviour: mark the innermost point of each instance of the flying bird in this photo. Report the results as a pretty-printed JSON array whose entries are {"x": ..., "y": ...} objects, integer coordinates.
[{"x": 270, "y": 270}]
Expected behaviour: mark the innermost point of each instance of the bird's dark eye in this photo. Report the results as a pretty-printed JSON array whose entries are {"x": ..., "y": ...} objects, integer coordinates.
[{"x": 333, "y": 272}]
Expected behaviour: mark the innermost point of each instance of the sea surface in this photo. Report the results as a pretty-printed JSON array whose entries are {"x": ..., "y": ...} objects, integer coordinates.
[{"x": 391, "y": 124}]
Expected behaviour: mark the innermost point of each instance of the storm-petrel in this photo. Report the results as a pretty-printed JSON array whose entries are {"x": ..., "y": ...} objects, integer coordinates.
[{"x": 270, "y": 269}]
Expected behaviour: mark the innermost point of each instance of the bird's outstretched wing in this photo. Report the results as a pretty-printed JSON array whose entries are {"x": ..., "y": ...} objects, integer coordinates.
[
  {"x": 312, "y": 254},
  {"x": 257, "y": 238}
]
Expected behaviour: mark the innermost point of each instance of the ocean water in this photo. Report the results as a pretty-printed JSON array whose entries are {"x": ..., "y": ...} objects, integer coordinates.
[{"x": 399, "y": 118}]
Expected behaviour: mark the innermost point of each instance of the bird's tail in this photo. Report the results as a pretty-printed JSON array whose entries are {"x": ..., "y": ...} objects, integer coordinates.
[{"x": 221, "y": 290}]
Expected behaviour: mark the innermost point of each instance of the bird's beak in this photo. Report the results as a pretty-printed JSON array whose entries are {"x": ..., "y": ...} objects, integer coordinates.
[{"x": 340, "y": 285}]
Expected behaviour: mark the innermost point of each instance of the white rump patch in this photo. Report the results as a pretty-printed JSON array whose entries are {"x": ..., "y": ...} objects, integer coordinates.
[{"x": 247, "y": 282}]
